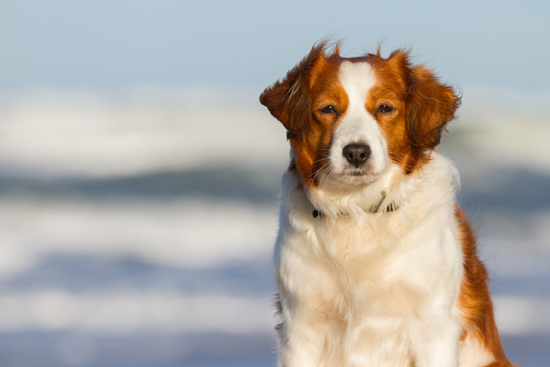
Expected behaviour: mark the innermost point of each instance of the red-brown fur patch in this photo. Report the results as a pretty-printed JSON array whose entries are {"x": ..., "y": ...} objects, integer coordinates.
[
  {"x": 424, "y": 106},
  {"x": 289, "y": 100},
  {"x": 474, "y": 301}
]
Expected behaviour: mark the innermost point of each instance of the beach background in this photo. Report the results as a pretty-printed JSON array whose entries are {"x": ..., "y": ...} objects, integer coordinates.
[{"x": 139, "y": 175}]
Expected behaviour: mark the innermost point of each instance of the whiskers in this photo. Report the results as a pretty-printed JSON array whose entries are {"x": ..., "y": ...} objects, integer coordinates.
[
  {"x": 321, "y": 166},
  {"x": 322, "y": 174}
]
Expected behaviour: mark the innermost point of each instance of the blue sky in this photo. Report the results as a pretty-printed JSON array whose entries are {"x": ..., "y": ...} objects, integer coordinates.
[{"x": 115, "y": 43}]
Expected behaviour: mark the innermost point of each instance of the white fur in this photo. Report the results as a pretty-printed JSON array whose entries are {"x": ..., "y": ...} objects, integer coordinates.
[
  {"x": 362, "y": 289},
  {"x": 388, "y": 280},
  {"x": 357, "y": 125},
  {"x": 473, "y": 354}
]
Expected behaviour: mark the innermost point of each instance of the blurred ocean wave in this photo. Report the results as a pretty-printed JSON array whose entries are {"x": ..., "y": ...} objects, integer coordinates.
[
  {"x": 137, "y": 225},
  {"x": 53, "y": 133}
]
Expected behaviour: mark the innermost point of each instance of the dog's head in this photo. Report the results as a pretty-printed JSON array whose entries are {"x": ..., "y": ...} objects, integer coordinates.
[{"x": 349, "y": 119}]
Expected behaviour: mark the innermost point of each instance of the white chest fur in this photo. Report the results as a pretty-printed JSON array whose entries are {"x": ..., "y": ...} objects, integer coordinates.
[{"x": 371, "y": 289}]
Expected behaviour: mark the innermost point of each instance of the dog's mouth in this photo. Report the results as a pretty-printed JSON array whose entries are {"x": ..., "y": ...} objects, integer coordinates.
[
  {"x": 356, "y": 173},
  {"x": 358, "y": 176},
  {"x": 365, "y": 169}
]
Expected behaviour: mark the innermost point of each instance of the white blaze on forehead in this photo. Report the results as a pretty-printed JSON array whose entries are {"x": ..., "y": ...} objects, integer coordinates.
[
  {"x": 357, "y": 125},
  {"x": 357, "y": 78}
]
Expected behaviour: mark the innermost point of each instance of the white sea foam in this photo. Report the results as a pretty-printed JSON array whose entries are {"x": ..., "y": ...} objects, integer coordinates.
[
  {"x": 189, "y": 233},
  {"x": 126, "y": 312}
]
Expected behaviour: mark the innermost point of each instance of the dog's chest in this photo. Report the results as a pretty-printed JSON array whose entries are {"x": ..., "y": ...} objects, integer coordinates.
[
  {"x": 373, "y": 304},
  {"x": 371, "y": 281},
  {"x": 369, "y": 271},
  {"x": 372, "y": 313},
  {"x": 371, "y": 241}
]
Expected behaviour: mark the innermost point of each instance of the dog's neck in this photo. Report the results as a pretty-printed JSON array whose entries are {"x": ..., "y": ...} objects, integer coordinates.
[
  {"x": 336, "y": 200},
  {"x": 373, "y": 209}
]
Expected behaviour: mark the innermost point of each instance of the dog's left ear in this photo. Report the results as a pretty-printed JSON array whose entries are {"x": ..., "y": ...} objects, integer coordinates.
[{"x": 431, "y": 105}]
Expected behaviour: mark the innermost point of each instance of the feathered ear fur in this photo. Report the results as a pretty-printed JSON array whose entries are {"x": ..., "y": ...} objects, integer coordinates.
[
  {"x": 431, "y": 105},
  {"x": 288, "y": 99}
]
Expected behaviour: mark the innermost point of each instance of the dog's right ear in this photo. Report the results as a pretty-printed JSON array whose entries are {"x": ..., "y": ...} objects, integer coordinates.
[{"x": 288, "y": 99}]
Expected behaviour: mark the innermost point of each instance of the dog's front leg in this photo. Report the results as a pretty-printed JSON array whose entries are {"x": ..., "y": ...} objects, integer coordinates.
[
  {"x": 308, "y": 321},
  {"x": 301, "y": 345},
  {"x": 435, "y": 342}
]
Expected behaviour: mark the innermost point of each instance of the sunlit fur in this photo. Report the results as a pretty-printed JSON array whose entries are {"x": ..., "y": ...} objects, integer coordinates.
[{"x": 374, "y": 287}]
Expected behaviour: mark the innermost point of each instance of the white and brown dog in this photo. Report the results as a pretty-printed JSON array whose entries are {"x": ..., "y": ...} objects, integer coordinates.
[{"x": 375, "y": 261}]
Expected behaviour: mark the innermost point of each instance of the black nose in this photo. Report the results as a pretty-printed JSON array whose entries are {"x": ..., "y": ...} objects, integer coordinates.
[{"x": 356, "y": 154}]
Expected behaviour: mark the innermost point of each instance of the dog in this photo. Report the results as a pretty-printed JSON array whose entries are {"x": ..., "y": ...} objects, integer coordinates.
[{"x": 376, "y": 263}]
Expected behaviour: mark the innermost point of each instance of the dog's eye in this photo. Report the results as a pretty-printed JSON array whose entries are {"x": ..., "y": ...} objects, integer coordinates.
[
  {"x": 328, "y": 109},
  {"x": 384, "y": 108}
]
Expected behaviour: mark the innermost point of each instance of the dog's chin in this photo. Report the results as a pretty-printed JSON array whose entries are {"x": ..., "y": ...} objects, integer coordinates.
[
  {"x": 359, "y": 178},
  {"x": 355, "y": 177}
]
